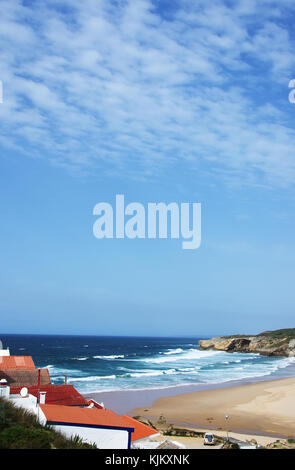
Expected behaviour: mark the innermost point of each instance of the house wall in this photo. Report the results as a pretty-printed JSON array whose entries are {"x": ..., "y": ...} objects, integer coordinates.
[
  {"x": 4, "y": 352},
  {"x": 103, "y": 438}
]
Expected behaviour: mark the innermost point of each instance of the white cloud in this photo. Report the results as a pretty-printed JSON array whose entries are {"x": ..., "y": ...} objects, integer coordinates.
[{"x": 122, "y": 85}]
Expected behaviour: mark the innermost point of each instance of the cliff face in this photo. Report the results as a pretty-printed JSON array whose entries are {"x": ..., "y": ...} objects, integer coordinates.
[{"x": 267, "y": 344}]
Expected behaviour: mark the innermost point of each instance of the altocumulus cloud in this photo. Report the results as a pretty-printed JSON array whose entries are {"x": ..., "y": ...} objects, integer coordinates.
[{"x": 139, "y": 86}]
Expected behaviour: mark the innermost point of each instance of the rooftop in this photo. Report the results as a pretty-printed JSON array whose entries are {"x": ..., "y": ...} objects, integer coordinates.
[
  {"x": 17, "y": 362},
  {"x": 86, "y": 416},
  {"x": 56, "y": 394}
]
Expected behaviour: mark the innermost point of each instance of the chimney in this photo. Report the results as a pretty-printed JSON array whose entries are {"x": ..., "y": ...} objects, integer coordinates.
[
  {"x": 39, "y": 377},
  {"x": 66, "y": 379},
  {"x": 4, "y": 389},
  {"x": 42, "y": 398}
]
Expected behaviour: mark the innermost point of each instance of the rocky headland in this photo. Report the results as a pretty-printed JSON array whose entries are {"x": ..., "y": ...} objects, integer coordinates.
[{"x": 268, "y": 343}]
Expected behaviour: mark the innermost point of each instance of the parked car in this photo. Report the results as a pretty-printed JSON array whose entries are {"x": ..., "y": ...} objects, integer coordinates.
[{"x": 209, "y": 439}]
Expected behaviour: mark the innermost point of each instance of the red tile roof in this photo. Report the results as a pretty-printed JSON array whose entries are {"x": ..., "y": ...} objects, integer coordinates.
[
  {"x": 87, "y": 416},
  {"x": 56, "y": 394},
  {"x": 17, "y": 362},
  {"x": 140, "y": 430}
]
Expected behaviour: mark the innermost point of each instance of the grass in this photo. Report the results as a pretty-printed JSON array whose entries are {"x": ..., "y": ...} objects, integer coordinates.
[
  {"x": 287, "y": 333},
  {"x": 20, "y": 429},
  {"x": 236, "y": 336}
]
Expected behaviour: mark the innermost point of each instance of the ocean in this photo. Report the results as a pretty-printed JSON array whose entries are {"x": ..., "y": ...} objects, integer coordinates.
[{"x": 101, "y": 364}]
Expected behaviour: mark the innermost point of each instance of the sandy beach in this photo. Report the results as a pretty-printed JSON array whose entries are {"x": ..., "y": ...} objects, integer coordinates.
[
  {"x": 266, "y": 407},
  {"x": 261, "y": 408}
]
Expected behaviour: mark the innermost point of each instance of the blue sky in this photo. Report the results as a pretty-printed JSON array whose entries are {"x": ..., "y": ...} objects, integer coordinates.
[{"x": 187, "y": 104}]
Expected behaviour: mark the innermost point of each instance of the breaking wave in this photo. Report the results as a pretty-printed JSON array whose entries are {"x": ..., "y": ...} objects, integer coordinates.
[
  {"x": 173, "y": 351},
  {"x": 115, "y": 356},
  {"x": 191, "y": 354}
]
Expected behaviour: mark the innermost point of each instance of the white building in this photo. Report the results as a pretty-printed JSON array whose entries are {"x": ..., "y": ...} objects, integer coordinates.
[
  {"x": 92, "y": 423},
  {"x": 101, "y": 427}
]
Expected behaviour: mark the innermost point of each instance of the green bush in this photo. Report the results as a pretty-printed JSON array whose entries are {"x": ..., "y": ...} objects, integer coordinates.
[{"x": 20, "y": 437}]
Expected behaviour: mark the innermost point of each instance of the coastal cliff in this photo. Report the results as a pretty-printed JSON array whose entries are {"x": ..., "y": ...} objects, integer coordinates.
[{"x": 268, "y": 343}]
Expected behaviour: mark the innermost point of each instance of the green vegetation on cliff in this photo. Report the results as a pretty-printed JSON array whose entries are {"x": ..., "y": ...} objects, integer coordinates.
[
  {"x": 20, "y": 429},
  {"x": 287, "y": 332}
]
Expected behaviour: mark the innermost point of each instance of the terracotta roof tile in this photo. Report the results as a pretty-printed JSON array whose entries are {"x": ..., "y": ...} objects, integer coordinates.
[
  {"x": 16, "y": 362},
  {"x": 90, "y": 416}
]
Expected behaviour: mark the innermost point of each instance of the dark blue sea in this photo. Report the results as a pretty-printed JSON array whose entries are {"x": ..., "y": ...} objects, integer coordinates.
[{"x": 96, "y": 363}]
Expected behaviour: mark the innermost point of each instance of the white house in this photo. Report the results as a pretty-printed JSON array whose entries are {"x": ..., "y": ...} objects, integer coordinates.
[
  {"x": 92, "y": 423},
  {"x": 102, "y": 427}
]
